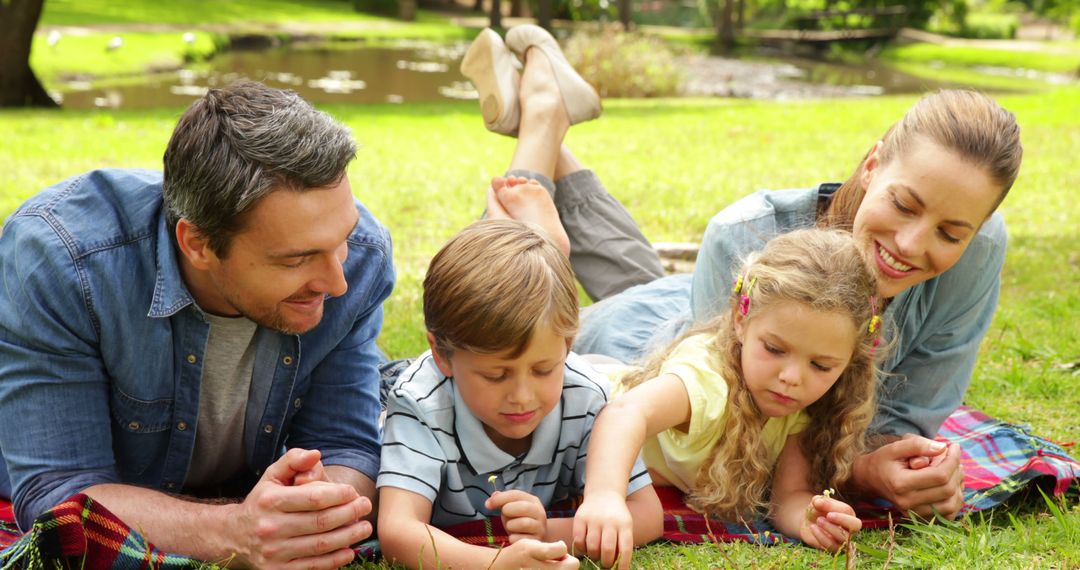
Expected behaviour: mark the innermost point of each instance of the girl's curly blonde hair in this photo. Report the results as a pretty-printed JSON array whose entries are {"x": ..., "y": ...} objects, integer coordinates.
[{"x": 821, "y": 269}]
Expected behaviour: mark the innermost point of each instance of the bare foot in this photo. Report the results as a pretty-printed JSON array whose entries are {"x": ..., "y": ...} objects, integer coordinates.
[{"x": 527, "y": 201}]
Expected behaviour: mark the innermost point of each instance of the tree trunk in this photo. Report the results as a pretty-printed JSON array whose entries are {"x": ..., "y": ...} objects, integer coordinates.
[
  {"x": 478, "y": 6},
  {"x": 543, "y": 14},
  {"x": 725, "y": 28},
  {"x": 516, "y": 8},
  {"x": 19, "y": 87},
  {"x": 496, "y": 14},
  {"x": 407, "y": 10},
  {"x": 624, "y": 14},
  {"x": 740, "y": 15}
]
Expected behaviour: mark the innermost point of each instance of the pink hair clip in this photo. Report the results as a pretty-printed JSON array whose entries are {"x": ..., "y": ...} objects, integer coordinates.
[{"x": 744, "y": 299}]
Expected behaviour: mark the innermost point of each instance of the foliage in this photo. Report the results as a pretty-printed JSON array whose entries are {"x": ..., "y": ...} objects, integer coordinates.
[
  {"x": 678, "y": 13},
  {"x": 590, "y": 10},
  {"x": 990, "y": 26},
  {"x": 958, "y": 18},
  {"x": 622, "y": 64}
]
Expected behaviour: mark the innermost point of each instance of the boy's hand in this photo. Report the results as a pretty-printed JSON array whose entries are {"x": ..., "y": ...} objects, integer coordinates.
[
  {"x": 828, "y": 524},
  {"x": 529, "y": 553},
  {"x": 523, "y": 515},
  {"x": 604, "y": 530}
]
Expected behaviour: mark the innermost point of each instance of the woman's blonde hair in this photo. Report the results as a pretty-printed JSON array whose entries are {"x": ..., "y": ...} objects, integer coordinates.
[
  {"x": 968, "y": 123},
  {"x": 821, "y": 269},
  {"x": 490, "y": 287}
]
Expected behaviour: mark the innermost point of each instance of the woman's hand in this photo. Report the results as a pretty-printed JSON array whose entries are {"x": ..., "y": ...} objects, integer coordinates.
[
  {"x": 828, "y": 524},
  {"x": 523, "y": 515},
  {"x": 916, "y": 474}
]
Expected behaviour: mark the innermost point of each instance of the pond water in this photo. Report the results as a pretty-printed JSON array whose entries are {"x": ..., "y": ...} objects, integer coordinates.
[{"x": 412, "y": 72}]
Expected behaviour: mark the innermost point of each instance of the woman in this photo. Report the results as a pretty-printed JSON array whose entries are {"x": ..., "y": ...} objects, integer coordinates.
[{"x": 921, "y": 205}]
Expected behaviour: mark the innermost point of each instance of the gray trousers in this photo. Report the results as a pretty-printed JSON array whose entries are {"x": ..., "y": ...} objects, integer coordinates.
[{"x": 608, "y": 252}]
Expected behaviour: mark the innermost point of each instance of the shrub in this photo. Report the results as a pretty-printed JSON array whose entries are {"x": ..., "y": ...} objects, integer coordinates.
[
  {"x": 978, "y": 25},
  {"x": 991, "y": 26},
  {"x": 626, "y": 64}
]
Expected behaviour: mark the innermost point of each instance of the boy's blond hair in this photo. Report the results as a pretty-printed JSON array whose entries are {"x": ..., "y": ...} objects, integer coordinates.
[{"x": 493, "y": 284}]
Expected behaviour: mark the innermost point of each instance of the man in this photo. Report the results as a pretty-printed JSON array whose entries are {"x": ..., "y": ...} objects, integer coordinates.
[{"x": 164, "y": 339}]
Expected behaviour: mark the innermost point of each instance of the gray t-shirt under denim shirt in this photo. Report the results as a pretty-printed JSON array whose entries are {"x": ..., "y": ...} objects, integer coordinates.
[{"x": 226, "y": 381}]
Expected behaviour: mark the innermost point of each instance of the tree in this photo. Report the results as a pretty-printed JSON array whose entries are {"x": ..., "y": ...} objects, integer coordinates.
[
  {"x": 19, "y": 87},
  {"x": 624, "y": 14},
  {"x": 722, "y": 13},
  {"x": 544, "y": 14}
]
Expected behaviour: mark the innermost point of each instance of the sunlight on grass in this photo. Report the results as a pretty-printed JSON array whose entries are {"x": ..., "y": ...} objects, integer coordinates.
[
  {"x": 422, "y": 170},
  {"x": 1064, "y": 59}
]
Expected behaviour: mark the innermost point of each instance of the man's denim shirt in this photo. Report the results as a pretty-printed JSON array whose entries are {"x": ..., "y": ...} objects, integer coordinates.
[{"x": 101, "y": 351}]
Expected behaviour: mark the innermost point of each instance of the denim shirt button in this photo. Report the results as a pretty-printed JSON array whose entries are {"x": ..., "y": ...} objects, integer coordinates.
[
  {"x": 286, "y": 360},
  {"x": 268, "y": 428},
  {"x": 170, "y": 485},
  {"x": 192, "y": 359},
  {"x": 296, "y": 403},
  {"x": 134, "y": 426},
  {"x": 181, "y": 426}
]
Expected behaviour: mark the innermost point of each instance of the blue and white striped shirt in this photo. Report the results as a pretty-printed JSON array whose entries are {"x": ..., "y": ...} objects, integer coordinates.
[{"x": 434, "y": 446}]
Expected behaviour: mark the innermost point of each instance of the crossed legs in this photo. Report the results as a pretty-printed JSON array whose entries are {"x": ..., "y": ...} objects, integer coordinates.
[{"x": 546, "y": 185}]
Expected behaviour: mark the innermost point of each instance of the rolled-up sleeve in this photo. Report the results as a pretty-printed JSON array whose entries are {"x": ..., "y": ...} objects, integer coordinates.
[{"x": 55, "y": 432}]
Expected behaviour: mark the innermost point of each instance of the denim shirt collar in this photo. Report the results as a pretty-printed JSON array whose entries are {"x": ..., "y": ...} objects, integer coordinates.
[
  {"x": 170, "y": 293},
  {"x": 486, "y": 457}
]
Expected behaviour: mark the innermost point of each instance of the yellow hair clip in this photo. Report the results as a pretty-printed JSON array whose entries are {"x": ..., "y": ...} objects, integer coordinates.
[{"x": 875, "y": 324}]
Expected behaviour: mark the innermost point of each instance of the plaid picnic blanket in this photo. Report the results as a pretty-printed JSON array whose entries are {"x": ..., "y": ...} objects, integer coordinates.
[{"x": 999, "y": 459}]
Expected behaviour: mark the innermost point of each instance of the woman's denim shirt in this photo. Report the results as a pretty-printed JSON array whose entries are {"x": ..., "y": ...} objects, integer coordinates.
[
  {"x": 101, "y": 350},
  {"x": 935, "y": 327}
]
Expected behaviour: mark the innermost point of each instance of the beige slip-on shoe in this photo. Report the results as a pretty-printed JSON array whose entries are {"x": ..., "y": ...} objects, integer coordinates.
[
  {"x": 492, "y": 69},
  {"x": 580, "y": 99}
]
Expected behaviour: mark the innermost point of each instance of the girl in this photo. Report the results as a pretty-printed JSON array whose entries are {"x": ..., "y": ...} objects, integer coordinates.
[{"x": 759, "y": 409}]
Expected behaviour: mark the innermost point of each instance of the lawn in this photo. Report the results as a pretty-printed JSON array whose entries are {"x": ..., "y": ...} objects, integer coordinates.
[
  {"x": 422, "y": 170},
  {"x": 152, "y": 32},
  {"x": 1055, "y": 57}
]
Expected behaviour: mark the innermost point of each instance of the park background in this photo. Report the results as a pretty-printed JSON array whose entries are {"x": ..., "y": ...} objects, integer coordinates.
[{"x": 695, "y": 117}]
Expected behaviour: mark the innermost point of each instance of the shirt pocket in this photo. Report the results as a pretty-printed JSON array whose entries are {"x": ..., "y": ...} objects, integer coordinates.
[{"x": 140, "y": 433}]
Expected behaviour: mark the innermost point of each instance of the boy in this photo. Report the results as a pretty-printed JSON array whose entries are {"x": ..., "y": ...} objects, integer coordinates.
[{"x": 495, "y": 418}]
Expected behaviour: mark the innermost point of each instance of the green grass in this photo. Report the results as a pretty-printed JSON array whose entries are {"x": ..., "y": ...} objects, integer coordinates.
[
  {"x": 87, "y": 55},
  {"x": 152, "y": 31},
  {"x": 198, "y": 12},
  {"x": 1062, "y": 57},
  {"x": 422, "y": 169}
]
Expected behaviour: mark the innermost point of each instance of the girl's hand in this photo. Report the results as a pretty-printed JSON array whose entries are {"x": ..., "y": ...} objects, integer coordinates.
[
  {"x": 828, "y": 523},
  {"x": 523, "y": 515},
  {"x": 604, "y": 530},
  {"x": 529, "y": 553}
]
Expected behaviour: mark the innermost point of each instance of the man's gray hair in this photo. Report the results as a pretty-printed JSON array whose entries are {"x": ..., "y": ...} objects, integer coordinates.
[{"x": 239, "y": 143}]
